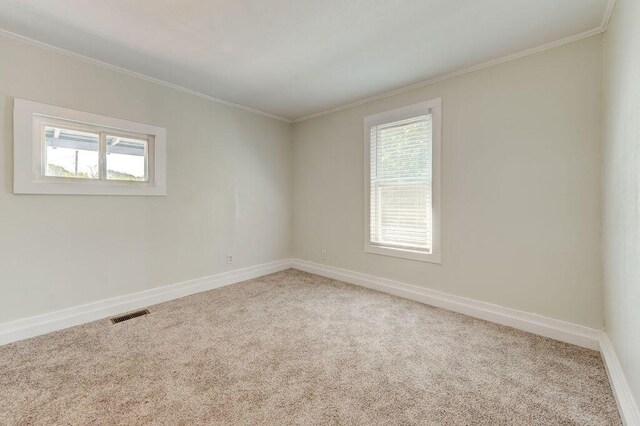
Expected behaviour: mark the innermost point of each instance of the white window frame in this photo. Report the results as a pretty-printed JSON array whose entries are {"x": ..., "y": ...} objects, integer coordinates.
[
  {"x": 29, "y": 177},
  {"x": 423, "y": 108}
]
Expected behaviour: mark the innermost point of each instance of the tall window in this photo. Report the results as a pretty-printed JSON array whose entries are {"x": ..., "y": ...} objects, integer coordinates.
[{"x": 402, "y": 212}]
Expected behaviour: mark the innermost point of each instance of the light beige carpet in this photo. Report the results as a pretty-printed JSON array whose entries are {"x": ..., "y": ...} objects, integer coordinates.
[{"x": 298, "y": 348}]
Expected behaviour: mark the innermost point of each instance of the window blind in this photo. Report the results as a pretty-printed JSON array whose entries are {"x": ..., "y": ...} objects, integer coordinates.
[{"x": 401, "y": 191}]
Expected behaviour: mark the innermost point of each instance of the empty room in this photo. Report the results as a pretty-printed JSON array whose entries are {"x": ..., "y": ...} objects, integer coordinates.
[{"x": 241, "y": 212}]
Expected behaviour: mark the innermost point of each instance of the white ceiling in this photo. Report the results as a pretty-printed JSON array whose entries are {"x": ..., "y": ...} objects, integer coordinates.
[{"x": 294, "y": 58}]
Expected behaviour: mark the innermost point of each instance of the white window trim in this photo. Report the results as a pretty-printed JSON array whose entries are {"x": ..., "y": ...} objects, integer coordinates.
[
  {"x": 27, "y": 153},
  {"x": 435, "y": 105}
]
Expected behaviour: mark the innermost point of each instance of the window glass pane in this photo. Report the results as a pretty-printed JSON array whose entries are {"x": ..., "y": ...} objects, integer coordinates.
[
  {"x": 71, "y": 153},
  {"x": 126, "y": 158},
  {"x": 401, "y": 210}
]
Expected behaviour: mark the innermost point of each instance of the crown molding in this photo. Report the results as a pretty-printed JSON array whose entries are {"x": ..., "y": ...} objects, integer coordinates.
[
  {"x": 590, "y": 33},
  {"x": 600, "y": 29},
  {"x": 607, "y": 15},
  {"x": 130, "y": 73}
]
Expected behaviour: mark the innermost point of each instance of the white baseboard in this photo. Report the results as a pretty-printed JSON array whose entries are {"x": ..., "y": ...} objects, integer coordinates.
[
  {"x": 46, "y": 323},
  {"x": 537, "y": 324},
  {"x": 555, "y": 329},
  {"x": 626, "y": 404}
]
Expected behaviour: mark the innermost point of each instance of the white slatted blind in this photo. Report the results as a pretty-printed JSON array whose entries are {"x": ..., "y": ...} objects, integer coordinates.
[{"x": 401, "y": 191}]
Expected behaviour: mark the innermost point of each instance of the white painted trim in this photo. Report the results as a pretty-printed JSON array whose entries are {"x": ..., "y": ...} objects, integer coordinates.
[
  {"x": 602, "y": 28},
  {"x": 433, "y": 106},
  {"x": 130, "y": 73},
  {"x": 537, "y": 324},
  {"x": 28, "y": 176},
  {"x": 607, "y": 14},
  {"x": 458, "y": 73},
  {"x": 627, "y": 407},
  {"x": 46, "y": 323}
]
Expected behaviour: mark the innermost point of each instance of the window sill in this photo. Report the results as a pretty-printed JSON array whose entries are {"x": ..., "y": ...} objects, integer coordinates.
[
  {"x": 403, "y": 253},
  {"x": 63, "y": 186}
]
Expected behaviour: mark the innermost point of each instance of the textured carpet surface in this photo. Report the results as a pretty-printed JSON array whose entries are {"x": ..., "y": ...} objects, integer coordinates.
[{"x": 297, "y": 348}]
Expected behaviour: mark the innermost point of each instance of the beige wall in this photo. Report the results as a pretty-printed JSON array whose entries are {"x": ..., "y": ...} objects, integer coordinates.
[
  {"x": 521, "y": 153},
  {"x": 622, "y": 188},
  {"x": 229, "y": 191},
  {"x": 521, "y": 189}
]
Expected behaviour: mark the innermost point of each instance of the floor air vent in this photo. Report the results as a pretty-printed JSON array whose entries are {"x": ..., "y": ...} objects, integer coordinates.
[{"x": 129, "y": 316}]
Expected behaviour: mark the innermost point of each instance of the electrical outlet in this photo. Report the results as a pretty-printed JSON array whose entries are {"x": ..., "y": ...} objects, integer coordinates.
[
  {"x": 229, "y": 258},
  {"x": 324, "y": 255}
]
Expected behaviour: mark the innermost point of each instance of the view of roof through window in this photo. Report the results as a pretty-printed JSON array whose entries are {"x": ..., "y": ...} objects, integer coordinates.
[{"x": 73, "y": 153}]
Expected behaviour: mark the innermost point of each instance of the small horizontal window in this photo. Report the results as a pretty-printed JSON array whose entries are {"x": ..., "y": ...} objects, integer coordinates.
[{"x": 62, "y": 151}]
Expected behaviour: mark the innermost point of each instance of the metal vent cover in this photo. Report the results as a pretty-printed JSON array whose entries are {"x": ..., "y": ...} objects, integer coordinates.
[{"x": 130, "y": 315}]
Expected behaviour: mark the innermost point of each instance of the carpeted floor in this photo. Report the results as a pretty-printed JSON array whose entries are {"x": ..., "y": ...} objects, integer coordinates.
[{"x": 297, "y": 348}]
